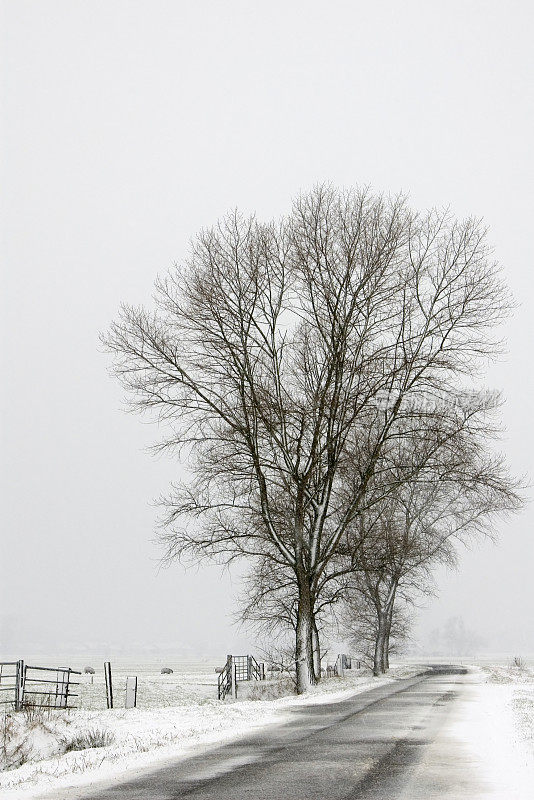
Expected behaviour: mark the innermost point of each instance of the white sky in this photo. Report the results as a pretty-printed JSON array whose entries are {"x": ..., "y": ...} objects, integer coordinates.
[{"x": 129, "y": 125}]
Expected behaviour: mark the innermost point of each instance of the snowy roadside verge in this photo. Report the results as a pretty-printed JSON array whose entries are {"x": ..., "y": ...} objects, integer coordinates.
[
  {"x": 141, "y": 738},
  {"x": 513, "y": 688},
  {"x": 497, "y": 729}
]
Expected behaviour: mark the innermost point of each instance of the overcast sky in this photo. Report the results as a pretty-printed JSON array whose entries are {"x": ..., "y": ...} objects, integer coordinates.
[{"x": 129, "y": 125}]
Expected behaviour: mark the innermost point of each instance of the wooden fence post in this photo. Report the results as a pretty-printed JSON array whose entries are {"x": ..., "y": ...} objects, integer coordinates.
[{"x": 109, "y": 686}]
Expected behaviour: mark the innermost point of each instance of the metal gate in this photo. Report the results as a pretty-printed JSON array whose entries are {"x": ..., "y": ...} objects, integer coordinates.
[
  {"x": 24, "y": 686},
  {"x": 238, "y": 668},
  {"x": 11, "y": 676}
]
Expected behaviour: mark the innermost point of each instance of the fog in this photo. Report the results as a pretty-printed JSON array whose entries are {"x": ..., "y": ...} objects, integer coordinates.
[{"x": 127, "y": 126}]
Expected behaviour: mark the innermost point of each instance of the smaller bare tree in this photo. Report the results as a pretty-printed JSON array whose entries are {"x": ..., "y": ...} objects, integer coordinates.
[
  {"x": 418, "y": 527},
  {"x": 358, "y": 620}
]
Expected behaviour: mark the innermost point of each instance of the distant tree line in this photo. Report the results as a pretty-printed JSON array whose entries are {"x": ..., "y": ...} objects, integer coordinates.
[{"x": 321, "y": 376}]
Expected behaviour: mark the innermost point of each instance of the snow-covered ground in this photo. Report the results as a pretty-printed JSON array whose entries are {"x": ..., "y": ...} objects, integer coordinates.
[
  {"x": 486, "y": 742},
  {"x": 493, "y": 723},
  {"x": 176, "y": 713},
  {"x": 499, "y": 730}
]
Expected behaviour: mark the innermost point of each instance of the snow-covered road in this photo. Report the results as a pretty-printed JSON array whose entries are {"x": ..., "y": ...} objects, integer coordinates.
[{"x": 419, "y": 739}]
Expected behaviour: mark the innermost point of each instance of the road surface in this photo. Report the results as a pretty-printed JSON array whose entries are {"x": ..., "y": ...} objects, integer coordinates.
[{"x": 390, "y": 742}]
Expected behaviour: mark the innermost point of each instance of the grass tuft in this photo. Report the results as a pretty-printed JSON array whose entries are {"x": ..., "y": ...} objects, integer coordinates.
[
  {"x": 518, "y": 663},
  {"x": 91, "y": 738}
]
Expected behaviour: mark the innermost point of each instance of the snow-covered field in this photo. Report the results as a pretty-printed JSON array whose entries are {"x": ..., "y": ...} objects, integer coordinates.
[
  {"x": 175, "y": 714},
  {"x": 153, "y": 689}
]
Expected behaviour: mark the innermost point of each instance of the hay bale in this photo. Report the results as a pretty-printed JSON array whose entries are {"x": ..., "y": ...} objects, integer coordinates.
[
  {"x": 166, "y": 671},
  {"x": 89, "y": 671}
]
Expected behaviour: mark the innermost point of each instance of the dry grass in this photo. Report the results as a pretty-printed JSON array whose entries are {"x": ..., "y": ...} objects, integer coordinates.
[
  {"x": 91, "y": 738},
  {"x": 518, "y": 663},
  {"x": 12, "y": 751},
  {"x": 266, "y": 690}
]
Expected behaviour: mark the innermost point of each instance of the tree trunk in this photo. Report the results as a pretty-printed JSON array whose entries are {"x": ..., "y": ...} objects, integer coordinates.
[
  {"x": 304, "y": 649},
  {"x": 316, "y": 648},
  {"x": 385, "y": 658},
  {"x": 378, "y": 661},
  {"x": 386, "y": 641},
  {"x": 389, "y": 621}
]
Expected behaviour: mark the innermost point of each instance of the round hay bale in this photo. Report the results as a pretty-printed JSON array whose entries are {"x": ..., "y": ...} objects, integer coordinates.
[
  {"x": 89, "y": 671},
  {"x": 166, "y": 671}
]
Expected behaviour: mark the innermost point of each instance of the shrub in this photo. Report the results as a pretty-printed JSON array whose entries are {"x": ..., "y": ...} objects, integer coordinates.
[
  {"x": 166, "y": 671},
  {"x": 89, "y": 671},
  {"x": 518, "y": 663}
]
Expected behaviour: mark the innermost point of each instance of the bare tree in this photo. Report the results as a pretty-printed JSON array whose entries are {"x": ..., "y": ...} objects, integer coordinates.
[
  {"x": 269, "y": 600},
  {"x": 358, "y": 620},
  {"x": 455, "y": 639},
  {"x": 282, "y": 358},
  {"x": 269, "y": 603},
  {"x": 419, "y": 524}
]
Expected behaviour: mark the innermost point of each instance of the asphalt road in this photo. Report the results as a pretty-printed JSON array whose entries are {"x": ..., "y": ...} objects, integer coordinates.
[{"x": 390, "y": 742}]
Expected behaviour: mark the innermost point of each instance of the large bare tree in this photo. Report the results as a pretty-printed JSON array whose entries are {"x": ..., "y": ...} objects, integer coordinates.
[{"x": 282, "y": 357}]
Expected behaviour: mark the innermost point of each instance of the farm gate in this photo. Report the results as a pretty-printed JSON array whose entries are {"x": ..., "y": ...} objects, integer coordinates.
[{"x": 25, "y": 686}]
